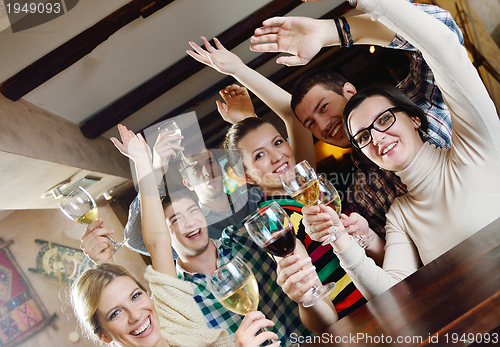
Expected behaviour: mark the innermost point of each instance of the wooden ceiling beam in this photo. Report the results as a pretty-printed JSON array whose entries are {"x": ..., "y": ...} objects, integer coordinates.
[
  {"x": 180, "y": 71},
  {"x": 207, "y": 93},
  {"x": 76, "y": 48}
]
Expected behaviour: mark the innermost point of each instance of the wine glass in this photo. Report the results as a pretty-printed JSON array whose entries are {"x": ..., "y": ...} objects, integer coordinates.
[
  {"x": 329, "y": 196},
  {"x": 272, "y": 230},
  {"x": 171, "y": 125},
  {"x": 304, "y": 185},
  {"x": 80, "y": 206},
  {"x": 235, "y": 287}
]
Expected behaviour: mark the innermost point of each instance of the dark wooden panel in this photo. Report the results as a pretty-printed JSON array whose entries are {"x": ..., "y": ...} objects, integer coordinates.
[
  {"x": 457, "y": 293},
  {"x": 213, "y": 89},
  {"x": 212, "y": 124}
]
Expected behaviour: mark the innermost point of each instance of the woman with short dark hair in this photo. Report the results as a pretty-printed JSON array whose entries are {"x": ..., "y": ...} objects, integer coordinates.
[{"x": 452, "y": 193}]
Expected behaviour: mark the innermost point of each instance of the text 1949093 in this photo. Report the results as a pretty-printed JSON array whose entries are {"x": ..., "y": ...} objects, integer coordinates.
[
  {"x": 26, "y": 14},
  {"x": 32, "y": 7}
]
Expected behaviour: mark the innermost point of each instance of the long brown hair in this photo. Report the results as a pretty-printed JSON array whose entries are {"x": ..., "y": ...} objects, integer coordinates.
[{"x": 234, "y": 135}]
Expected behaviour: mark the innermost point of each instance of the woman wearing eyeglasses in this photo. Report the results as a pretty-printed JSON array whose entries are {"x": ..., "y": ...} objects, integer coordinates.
[{"x": 452, "y": 193}]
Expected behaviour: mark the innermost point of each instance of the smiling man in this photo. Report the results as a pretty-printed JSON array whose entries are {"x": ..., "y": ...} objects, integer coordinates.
[
  {"x": 199, "y": 256},
  {"x": 318, "y": 101}
]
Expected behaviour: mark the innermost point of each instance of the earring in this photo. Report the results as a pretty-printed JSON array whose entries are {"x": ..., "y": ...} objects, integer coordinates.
[{"x": 422, "y": 133}]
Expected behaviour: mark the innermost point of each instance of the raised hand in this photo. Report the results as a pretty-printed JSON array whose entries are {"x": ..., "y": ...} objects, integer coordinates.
[
  {"x": 296, "y": 277},
  {"x": 217, "y": 57},
  {"x": 95, "y": 244},
  {"x": 303, "y": 37},
  {"x": 237, "y": 104},
  {"x": 246, "y": 335}
]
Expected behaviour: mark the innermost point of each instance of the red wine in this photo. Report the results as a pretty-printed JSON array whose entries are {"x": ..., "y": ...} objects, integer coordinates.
[{"x": 282, "y": 243}]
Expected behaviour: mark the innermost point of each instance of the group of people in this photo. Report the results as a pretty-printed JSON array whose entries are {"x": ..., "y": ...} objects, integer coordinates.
[{"x": 430, "y": 187}]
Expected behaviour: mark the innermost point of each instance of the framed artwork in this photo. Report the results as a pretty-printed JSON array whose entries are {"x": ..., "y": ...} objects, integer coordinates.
[
  {"x": 21, "y": 312},
  {"x": 60, "y": 263}
]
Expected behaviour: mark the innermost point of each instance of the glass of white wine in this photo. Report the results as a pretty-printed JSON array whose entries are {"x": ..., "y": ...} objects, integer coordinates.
[
  {"x": 80, "y": 206},
  {"x": 235, "y": 287},
  {"x": 329, "y": 196}
]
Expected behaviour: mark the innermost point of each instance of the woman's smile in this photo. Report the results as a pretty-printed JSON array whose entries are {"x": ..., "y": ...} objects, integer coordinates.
[
  {"x": 282, "y": 168},
  {"x": 266, "y": 156},
  {"x": 392, "y": 149}
]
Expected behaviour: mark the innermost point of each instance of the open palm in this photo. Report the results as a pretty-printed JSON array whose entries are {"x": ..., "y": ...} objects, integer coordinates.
[{"x": 299, "y": 36}]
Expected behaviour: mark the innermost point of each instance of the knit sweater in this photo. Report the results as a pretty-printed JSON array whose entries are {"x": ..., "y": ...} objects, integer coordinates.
[
  {"x": 181, "y": 321},
  {"x": 452, "y": 193}
]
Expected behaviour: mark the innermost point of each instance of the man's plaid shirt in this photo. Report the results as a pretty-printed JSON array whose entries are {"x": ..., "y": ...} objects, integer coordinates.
[
  {"x": 275, "y": 304},
  {"x": 374, "y": 190}
]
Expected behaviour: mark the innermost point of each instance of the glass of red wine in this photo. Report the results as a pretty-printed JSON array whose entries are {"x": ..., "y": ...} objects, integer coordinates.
[{"x": 272, "y": 230}]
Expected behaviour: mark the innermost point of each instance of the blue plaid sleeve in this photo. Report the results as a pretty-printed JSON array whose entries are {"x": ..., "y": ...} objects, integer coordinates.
[{"x": 420, "y": 85}]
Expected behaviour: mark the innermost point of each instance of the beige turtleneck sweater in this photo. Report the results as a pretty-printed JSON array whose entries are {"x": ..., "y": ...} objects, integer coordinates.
[{"x": 452, "y": 193}]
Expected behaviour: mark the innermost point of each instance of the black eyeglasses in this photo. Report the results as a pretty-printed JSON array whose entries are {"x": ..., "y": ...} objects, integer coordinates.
[{"x": 382, "y": 123}]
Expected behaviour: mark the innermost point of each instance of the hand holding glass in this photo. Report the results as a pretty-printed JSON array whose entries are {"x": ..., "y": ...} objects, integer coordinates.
[
  {"x": 235, "y": 287},
  {"x": 80, "y": 206},
  {"x": 303, "y": 185},
  {"x": 171, "y": 125},
  {"x": 272, "y": 230}
]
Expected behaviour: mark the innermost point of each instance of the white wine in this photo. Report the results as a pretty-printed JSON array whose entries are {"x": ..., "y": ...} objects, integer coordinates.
[
  {"x": 88, "y": 217},
  {"x": 328, "y": 195},
  {"x": 243, "y": 300},
  {"x": 308, "y": 195},
  {"x": 335, "y": 204}
]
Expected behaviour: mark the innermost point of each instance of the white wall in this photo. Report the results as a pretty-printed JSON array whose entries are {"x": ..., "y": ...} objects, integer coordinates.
[{"x": 23, "y": 227}]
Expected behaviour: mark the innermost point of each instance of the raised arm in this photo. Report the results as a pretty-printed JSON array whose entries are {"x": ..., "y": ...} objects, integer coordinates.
[
  {"x": 237, "y": 104},
  {"x": 154, "y": 227},
  {"x": 304, "y": 37},
  {"x": 163, "y": 150},
  {"x": 474, "y": 117},
  {"x": 272, "y": 95}
]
